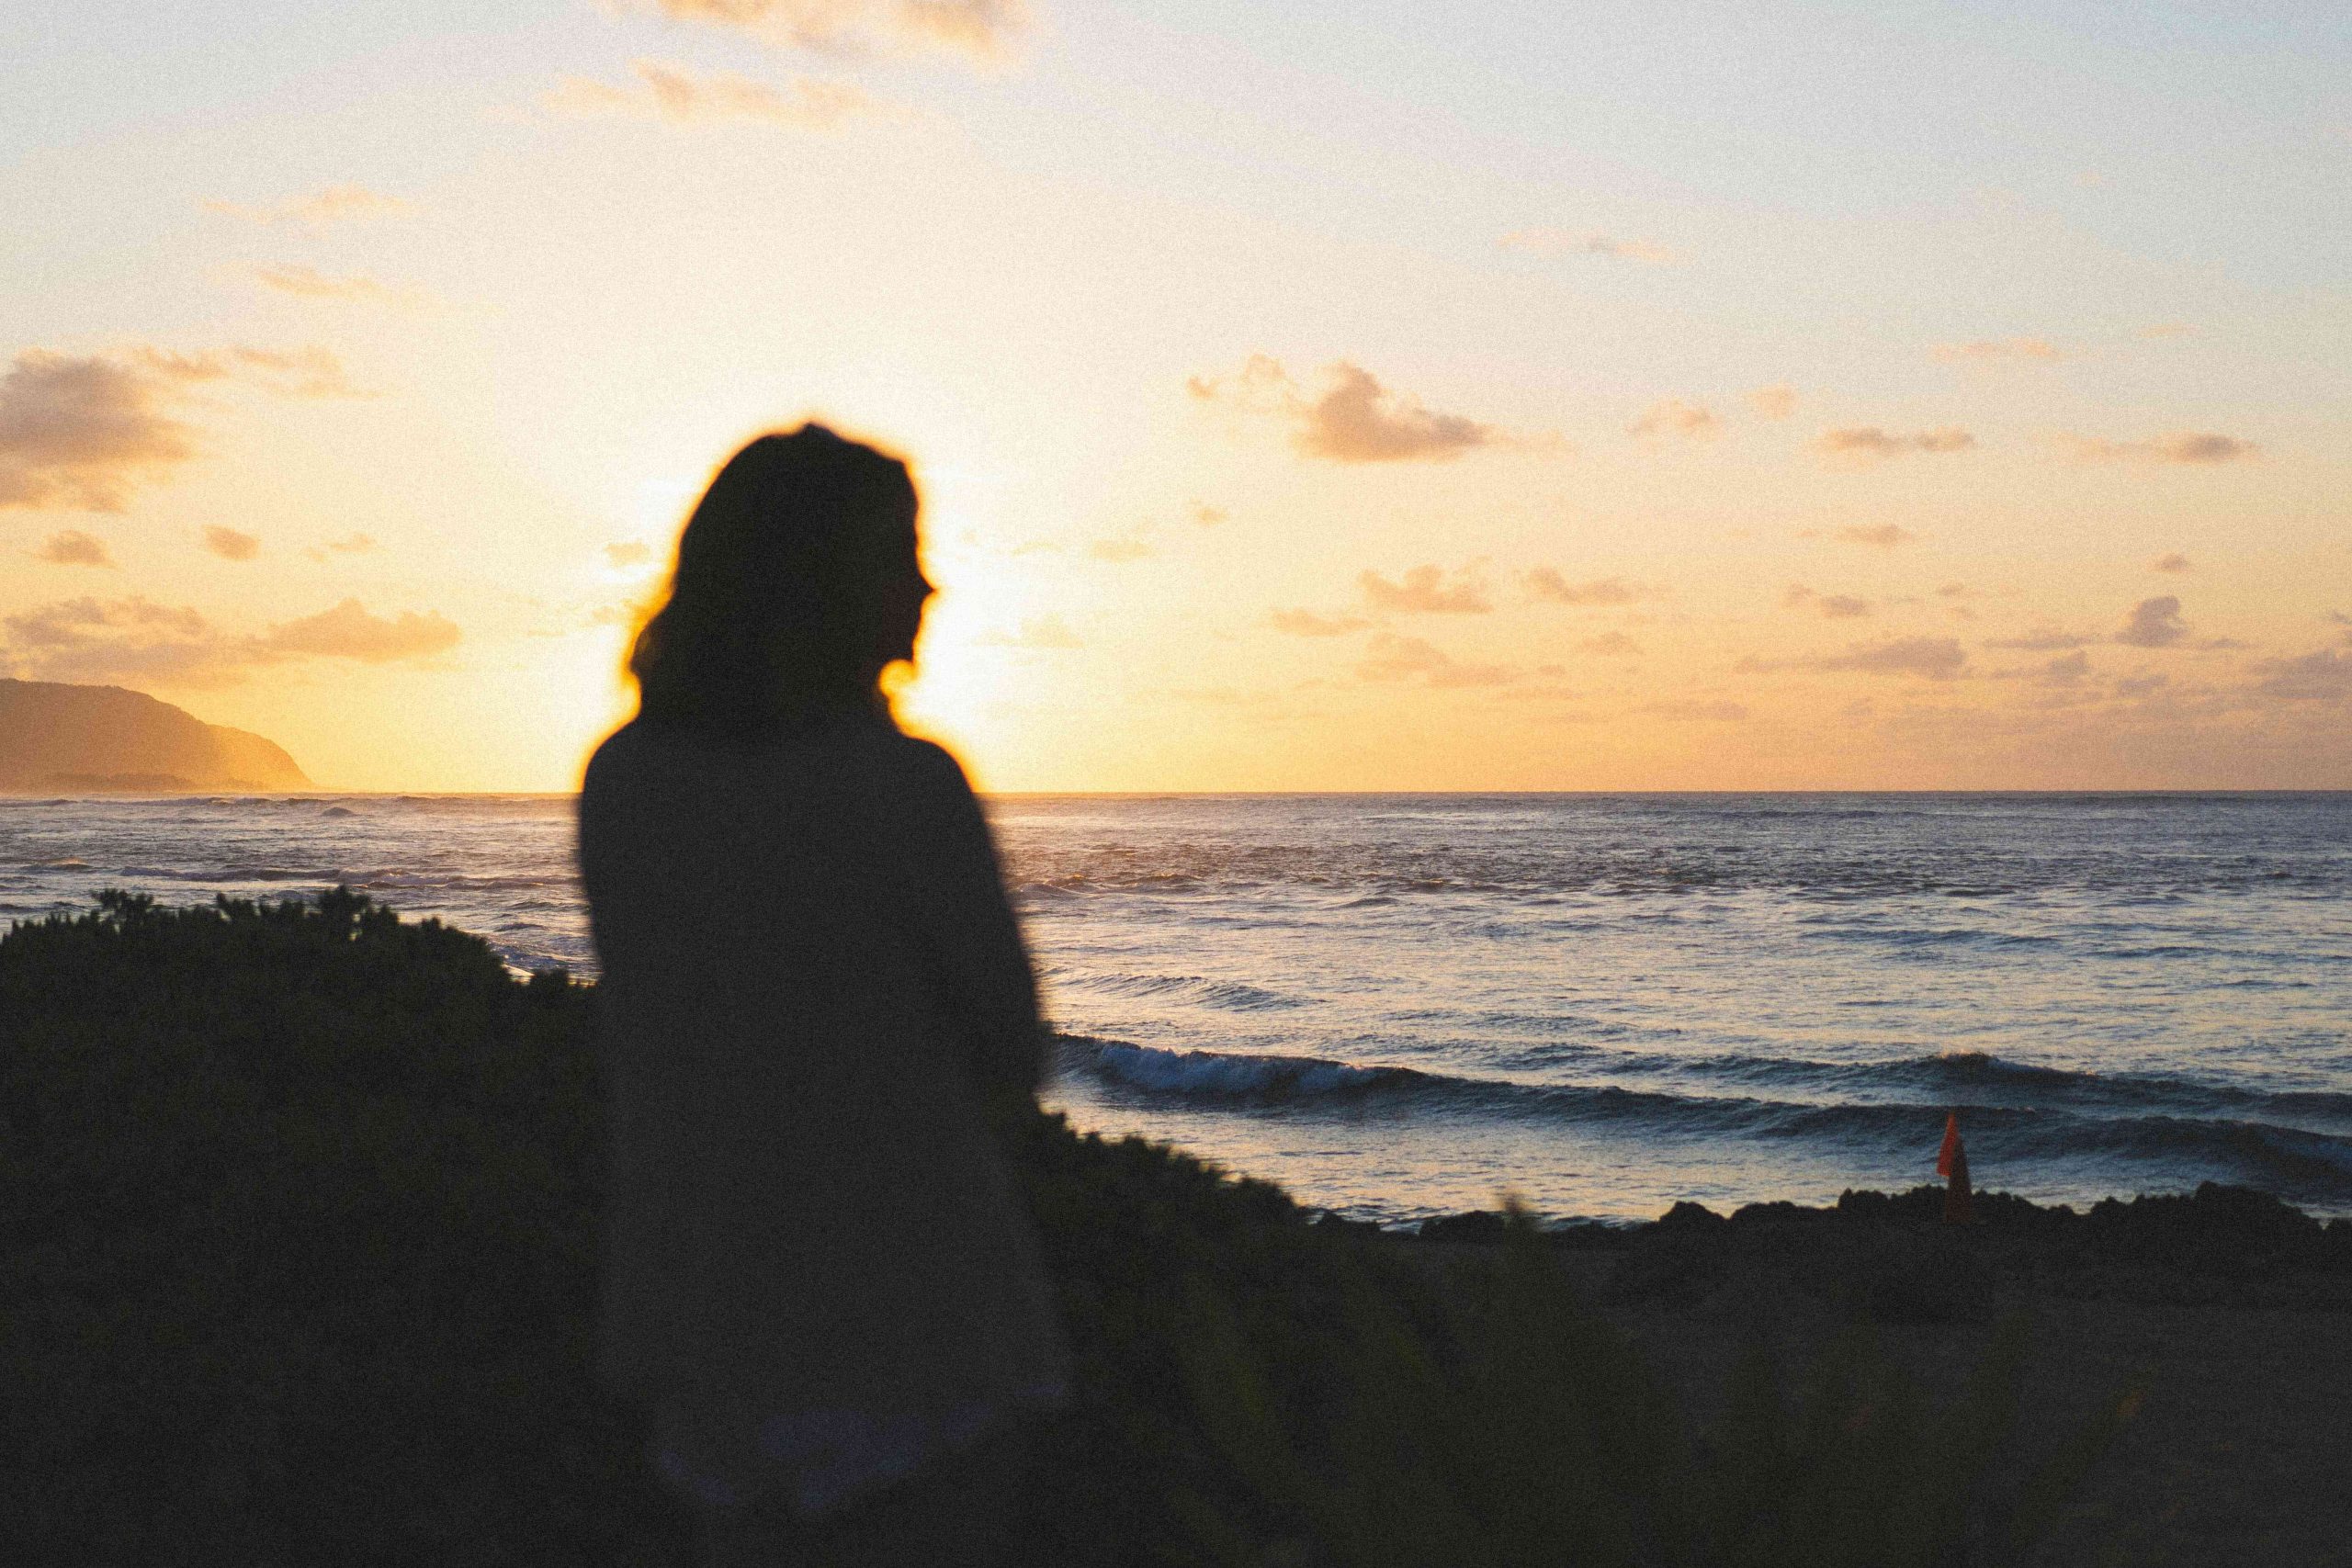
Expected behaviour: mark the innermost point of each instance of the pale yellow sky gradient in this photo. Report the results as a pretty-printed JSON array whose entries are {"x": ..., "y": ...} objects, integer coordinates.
[{"x": 1300, "y": 404}]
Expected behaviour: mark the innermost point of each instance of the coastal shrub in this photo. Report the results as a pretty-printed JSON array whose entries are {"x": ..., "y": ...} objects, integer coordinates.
[
  {"x": 1543, "y": 1439},
  {"x": 299, "y": 1247},
  {"x": 297, "y": 1265}
]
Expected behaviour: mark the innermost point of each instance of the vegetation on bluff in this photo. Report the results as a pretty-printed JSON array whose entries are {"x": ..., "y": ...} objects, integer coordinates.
[{"x": 299, "y": 1268}]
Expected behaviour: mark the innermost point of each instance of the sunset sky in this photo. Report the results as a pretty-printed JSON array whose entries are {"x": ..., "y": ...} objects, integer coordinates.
[{"x": 1510, "y": 396}]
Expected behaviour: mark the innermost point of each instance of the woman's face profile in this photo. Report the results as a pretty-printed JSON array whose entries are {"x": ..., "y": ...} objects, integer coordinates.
[{"x": 908, "y": 592}]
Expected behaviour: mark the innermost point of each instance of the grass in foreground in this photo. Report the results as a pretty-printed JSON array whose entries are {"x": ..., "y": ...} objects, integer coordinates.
[{"x": 299, "y": 1267}]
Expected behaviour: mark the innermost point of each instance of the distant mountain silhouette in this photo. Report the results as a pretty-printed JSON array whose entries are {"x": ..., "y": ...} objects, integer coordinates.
[{"x": 54, "y": 735}]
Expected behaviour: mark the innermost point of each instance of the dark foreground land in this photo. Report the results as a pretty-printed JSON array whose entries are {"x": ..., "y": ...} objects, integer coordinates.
[{"x": 298, "y": 1251}]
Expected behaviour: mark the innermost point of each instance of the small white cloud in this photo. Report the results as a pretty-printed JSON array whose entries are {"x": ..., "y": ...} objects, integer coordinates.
[
  {"x": 2029, "y": 350},
  {"x": 335, "y": 204},
  {"x": 353, "y": 544},
  {"x": 851, "y": 29},
  {"x": 1692, "y": 422},
  {"x": 674, "y": 93},
  {"x": 1774, "y": 402},
  {"x": 1584, "y": 243},
  {"x": 310, "y": 283},
  {"x": 1128, "y": 548}
]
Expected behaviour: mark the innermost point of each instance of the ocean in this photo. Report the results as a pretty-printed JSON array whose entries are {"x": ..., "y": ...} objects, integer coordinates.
[{"x": 1399, "y": 1006}]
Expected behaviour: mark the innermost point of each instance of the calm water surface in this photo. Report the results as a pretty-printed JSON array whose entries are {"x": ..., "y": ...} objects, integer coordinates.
[{"x": 1402, "y": 1005}]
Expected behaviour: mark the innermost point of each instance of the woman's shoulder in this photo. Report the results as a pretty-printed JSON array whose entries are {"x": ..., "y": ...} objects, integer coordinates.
[{"x": 876, "y": 755}]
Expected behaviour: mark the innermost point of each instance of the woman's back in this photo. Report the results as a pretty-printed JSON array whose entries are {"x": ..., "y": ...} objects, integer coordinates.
[{"x": 812, "y": 987}]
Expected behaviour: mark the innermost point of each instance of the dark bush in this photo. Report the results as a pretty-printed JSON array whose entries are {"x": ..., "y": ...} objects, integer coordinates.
[{"x": 298, "y": 1269}]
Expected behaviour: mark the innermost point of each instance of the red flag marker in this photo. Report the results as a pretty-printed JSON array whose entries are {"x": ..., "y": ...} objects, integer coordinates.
[{"x": 1951, "y": 1163}]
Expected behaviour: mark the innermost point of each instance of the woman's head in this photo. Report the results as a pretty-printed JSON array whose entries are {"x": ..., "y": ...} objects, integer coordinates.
[{"x": 796, "y": 586}]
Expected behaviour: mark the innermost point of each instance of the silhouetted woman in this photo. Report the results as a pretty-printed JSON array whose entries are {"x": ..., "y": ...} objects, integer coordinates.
[{"x": 818, "y": 1278}]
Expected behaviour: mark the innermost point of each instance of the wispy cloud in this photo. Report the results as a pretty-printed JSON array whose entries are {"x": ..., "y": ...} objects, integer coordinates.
[
  {"x": 1829, "y": 607},
  {"x": 1424, "y": 591},
  {"x": 1878, "y": 536},
  {"x": 1307, "y": 623},
  {"x": 1869, "y": 443},
  {"x": 2173, "y": 562},
  {"x": 136, "y": 639},
  {"x": 2042, "y": 639},
  {"x": 2322, "y": 677},
  {"x": 1610, "y": 645},
  {"x": 230, "y": 545},
  {"x": 1393, "y": 658},
  {"x": 1692, "y": 422},
  {"x": 2027, "y": 350},
  {"x": 353, "y": 544},
  {"x": 1775, "y": 402},
  {"x": 312, "y": 372},
  {"x": 71, "y": 547},
  {"x": 1934, "y": 658},
  {"x": 1714, "y": 711},
  {"x": 1038, "y": 632},
  {"x": 1583, "y": 243},
  {"x": 982, "y": 30},
  {"x": 2193, "y": 448},
  {"x": 1547, "y": 584},
  {"x": 310, "y": 283},
  {"x": 335, "y": 204},
  {"x": 674, "y": 93},
  {"x": 1356, "y": 420},
  {"x": 1119, "y": 549}
]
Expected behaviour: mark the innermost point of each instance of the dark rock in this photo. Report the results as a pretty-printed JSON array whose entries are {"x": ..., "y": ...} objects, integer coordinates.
[
  {"x": 1478, "y": 1225},
  {"x": 1765, "y": 1214},
  {"x": 1689, "y": 1217},
  {"x": 1582, "y": 1235}
]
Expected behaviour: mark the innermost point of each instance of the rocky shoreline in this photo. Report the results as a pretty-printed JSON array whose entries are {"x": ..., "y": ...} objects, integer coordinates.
[
  {"x": 1891, "y": 1257},
  {"x": 2218, "y": 1324}
]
